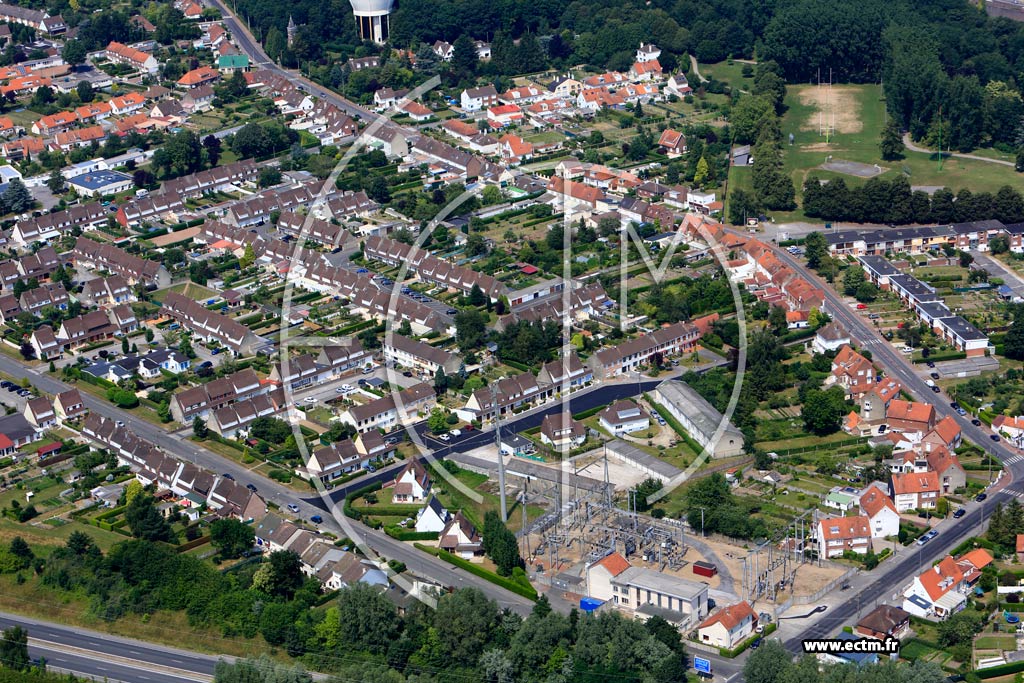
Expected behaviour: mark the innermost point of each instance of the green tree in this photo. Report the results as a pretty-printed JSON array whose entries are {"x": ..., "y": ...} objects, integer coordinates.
[
  {"x": 1013, "y": 343},
  {"x": 14, "y": 649},
  {"x": 823, "y": 411},
  {"x": 852, "y": 279},
  {"x": 16, "y": 198},
  {"x": 891, "y": 144},
  {"x": 742, "y": 205},
  {"x": 74, "y": 52},
  {"x": 55, "y": 181},
  {"x": 145, "y": 521},
  {"x": 702, "y": 172},
  {"x": 470, "y": 329},
  {"x": 437, "y": 422},
  {"x": 768, "y": 663},
  {"x": 231, "y": 537},
  {"x": 199, "y": 428},
  {"x": 464, "y": 56},
  {"x": 815, "y": 249},
  {"x": 367, "y": 620},
  {"x": 500, "y": 544},
  {"x": 85, "y": 91},
  {"x": 747, "y": 117},
  {"x": 440, "y": 381}
]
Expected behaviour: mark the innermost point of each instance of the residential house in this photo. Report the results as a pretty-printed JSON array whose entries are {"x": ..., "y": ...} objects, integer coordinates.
[
  {"x": 853, "y": 372},
  {"x": 623, "y": 417},
  {"x": 419, "y": 356},
  {"x": 881, "y": 513},
  {"x": 45, "y": 343},
  {"x": 729, "y": 626},
  {"x": 938, "y": 592},
  {"x": 830, "y": 338},
  {"x": 68, "y": 405},
  {"x": 475, "y": 99},
  {"x": 195, "y": 78},
  {"x": 333, "y": 461},
  {"x": 885, "y": 621},
  {"x": 910, "y": 417},
  {"x": 209, "y": 325},
  {"x": 915, "y": 491},
  {"x": 412, "y": 484},
  {"x": 202, "y": 400},
  {"x": 460, "y": 537},
  {"x": 675, "y": 339},
  {"x": 432, "y": 518},
  {"x": 561, "y": 432},
  {"x": 836, "y": 535},
  {"x": 39, "y": 411},
  {"x": 392, "y": 411}
]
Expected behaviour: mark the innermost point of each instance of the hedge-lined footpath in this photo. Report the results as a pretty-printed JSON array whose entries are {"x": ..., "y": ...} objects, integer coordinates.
[{"x": 527, "y": 591}]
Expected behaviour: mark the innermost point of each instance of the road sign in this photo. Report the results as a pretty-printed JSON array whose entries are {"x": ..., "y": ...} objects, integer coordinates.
[{"x": 701, "y": 665}]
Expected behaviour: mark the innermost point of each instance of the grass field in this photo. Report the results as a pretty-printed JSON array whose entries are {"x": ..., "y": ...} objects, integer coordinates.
[
  {"x": 859, "y": 119},
  {"x": 189, "y": 289},
  {"x": 729, "y": 73}
]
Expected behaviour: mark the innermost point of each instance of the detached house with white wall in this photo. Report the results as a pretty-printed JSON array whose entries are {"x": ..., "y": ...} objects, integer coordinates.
[{"x": 729, "y": 626}]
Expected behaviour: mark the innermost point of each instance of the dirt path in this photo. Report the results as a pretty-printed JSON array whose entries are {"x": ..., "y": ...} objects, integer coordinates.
[
  {"x": 909, "y": 144},
  {"x": 696, "y": 69}
]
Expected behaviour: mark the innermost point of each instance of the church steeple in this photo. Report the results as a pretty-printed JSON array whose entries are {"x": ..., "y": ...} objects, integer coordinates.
[{"x": 292, "y": 28}]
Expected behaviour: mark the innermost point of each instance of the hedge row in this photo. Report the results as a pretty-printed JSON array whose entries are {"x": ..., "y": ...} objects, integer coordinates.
[
  {"x": 400, "y": 534},
  {"x": 588, "y": 413},
  {"x": 185, "y": 547},
  {"x": 1001, "y": 670},
  {"x": 936, "y": 357},
  {"x": 508, "y": 584},
  {"x": 387, "y": 510}
]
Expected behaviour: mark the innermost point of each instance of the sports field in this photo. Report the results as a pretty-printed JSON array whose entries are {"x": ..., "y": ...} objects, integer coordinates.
[{"x": 855, "y": 115}]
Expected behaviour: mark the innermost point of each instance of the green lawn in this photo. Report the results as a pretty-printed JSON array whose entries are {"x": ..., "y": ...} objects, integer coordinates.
[
  {"x": 189, "y": 289},
  {"x": 730, "y": 73},
  {"x": 857, "y": 140},
  {"x": 994, "y": 642}
]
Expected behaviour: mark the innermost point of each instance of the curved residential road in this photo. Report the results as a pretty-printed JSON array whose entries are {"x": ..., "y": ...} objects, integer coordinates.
[{"x": 909, "y": 144}]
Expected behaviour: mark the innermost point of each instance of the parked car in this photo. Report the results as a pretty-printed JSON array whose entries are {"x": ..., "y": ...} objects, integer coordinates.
[
  {"x": 931, "y": 364},
  {"x": 861, "y": 307},
  {"x": 316, "y": 519},
  {"x": 292, "y": 507},
  {"x": 251, "y": 487},
  {"x": 936, "y": 389},
  {"x": 935, "y": 375},
  {"x": 959, "y": 513},
  {"x": 310, "y": 399},
  {"x": 994, "y": 437},
  {"x": 228, "y": 475},
  {"x": 757, "y": 643},
  {"x": 976, "y": 422},
  {"x": 456, "y": 432},
  {"x": 874, "y": 316},
  {"x": 444, "y": 437},
  {"x": 980, "y": 497}
]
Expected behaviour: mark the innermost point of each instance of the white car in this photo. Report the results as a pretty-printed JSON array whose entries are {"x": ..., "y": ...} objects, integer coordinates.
[
  {"x": 292, "y": 507},
  {"x": 346, "y": 387},
  {"x": 310, "y": 399},
  {"x": 444, "y": 437},
  {"x": 456, "y": 432}
]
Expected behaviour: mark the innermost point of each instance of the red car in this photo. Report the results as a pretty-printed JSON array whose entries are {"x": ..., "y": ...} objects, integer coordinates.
[{"x": 861, "y": 307}]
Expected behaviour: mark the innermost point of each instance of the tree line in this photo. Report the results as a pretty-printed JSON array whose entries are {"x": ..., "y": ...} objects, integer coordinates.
[{"x": 893, "y": 202}]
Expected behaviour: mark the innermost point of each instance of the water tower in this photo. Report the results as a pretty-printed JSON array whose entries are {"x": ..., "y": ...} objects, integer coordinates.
[{"x": 372, "y": 18}]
